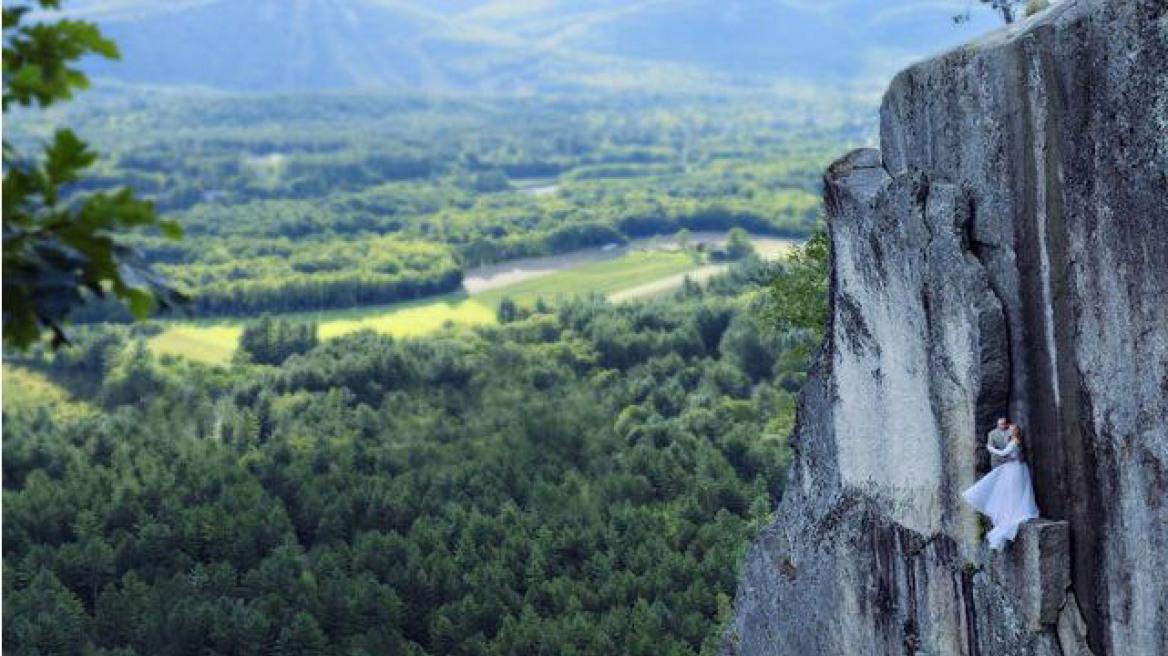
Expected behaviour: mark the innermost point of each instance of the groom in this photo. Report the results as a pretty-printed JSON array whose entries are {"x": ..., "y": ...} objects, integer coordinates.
[{"x": 998, "y": 438}]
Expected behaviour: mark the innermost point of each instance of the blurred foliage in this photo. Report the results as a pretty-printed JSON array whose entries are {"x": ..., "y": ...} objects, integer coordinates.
[{"x": 60, "y": 247}]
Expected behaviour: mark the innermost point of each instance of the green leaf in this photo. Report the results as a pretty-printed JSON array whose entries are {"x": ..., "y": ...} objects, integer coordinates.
[
  {"x": 66, "y": 158},
  {"x": 141, "y": 302},
  {"x": 171, "y": 229}
]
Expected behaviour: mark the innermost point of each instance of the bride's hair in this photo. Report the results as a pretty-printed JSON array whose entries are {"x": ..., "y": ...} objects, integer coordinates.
[{"x": 1016, "y": 432}]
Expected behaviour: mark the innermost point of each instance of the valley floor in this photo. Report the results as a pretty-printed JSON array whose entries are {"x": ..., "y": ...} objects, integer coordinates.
[{"x": 642, "y": 268}]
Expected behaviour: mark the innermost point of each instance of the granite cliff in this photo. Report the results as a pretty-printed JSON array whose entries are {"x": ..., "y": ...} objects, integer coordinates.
[{"x": 1005, "y": 251}]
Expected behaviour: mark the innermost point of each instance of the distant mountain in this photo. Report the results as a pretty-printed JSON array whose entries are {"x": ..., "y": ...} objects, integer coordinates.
[
  {"x": 290, "y": 44},
  {"x": 814, "y": 39},
  {"x": 510, "y": 45}
]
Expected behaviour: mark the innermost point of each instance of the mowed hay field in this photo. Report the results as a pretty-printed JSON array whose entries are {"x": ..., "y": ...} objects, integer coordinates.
[
  {"x": 214, "y": 341},
  {"x": 631, "y": 270}
]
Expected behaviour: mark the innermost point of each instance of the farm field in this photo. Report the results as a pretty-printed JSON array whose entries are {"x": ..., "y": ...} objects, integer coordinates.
[
  {"x": 632, "y": 272},
  {"x": 214, "y": 342},
  {"x": 629, "y": 270}
]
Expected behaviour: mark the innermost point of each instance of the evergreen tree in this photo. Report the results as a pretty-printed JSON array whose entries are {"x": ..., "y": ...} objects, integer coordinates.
[
  {"x": 508, "y": 311},
  {"x": 301, "y": 637},
  {"x": 738, "y": 244},
  {"x": 43, "y": 618}
]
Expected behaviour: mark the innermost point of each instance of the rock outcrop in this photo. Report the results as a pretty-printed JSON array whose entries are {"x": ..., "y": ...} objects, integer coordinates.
[{"x": 1004, "y": 252}]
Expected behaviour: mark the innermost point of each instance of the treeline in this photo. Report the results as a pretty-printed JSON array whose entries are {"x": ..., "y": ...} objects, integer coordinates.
[
  {"x": 576, "y": 481},
  {"x": 249, "y": 277},
  {"x": 280, "y": 292}
]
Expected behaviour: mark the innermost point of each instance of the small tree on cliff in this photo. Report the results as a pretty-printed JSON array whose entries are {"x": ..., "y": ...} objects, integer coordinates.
[
  {"x": 1008, "y": 9},
  {"x": 796, "y": 298}
]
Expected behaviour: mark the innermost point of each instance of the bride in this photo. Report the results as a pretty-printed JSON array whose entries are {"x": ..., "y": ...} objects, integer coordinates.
[{"x": 1005, "y": 494}]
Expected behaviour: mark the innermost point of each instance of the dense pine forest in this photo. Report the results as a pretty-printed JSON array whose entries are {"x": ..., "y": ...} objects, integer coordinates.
[{"x": 576, "y": 480}]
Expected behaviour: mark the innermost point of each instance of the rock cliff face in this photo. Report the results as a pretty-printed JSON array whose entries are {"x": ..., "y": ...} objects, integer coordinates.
[{"x": 1006, "y": 251}]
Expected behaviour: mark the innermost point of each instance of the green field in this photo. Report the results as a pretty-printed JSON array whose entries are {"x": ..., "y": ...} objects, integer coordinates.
[
  {"x": 214, "y": 341},
  {"x": 28, "y": 390},
  {"x": 631, "y": 270}
]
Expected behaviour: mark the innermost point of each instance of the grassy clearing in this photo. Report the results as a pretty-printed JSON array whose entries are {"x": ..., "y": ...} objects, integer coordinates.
[
  {"x": 417, "y": 320},
  {"x": 214, "y": 341},
  {"x": 631, "y": 270},
  {"x": 212, "y": 344},
  {"x": 26, "y": 390}
]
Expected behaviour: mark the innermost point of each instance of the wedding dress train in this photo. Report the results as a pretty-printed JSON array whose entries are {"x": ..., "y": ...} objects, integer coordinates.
[{"x": 1006, "y": 496}]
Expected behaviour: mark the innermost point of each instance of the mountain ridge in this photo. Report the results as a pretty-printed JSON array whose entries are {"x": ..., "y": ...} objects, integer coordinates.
[{"x": 505, "y": 45}]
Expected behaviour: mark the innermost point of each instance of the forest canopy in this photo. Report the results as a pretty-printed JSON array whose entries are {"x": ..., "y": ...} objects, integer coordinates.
[{"x": 579, "y": 480}]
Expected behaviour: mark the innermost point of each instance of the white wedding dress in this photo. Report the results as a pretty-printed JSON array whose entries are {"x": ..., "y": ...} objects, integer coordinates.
[{"x": 1005, "y": 495}]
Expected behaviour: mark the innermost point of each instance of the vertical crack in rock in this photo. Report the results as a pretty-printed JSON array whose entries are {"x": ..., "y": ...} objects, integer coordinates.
[
  {"x": 1007, "y": 250},
  {"x": 970, "y": 609},
  {"x": 1068, "y": 491},
  {"x": 993, "y": 397}
]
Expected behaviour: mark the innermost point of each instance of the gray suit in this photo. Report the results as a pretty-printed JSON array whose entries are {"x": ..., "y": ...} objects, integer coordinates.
[{"x": 998, "y": 440}]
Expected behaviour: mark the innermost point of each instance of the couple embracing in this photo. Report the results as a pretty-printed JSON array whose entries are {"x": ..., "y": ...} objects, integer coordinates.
[{"x": 1005, "y": 494}]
